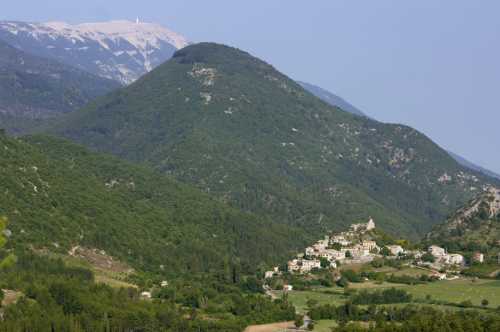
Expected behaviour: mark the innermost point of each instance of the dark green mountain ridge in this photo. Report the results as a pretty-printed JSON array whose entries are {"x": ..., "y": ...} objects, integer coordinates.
[
  {"x": 57, "y": 195},
  {"x": 33, "y": 89},
  {"x": 217, "y": 117}
]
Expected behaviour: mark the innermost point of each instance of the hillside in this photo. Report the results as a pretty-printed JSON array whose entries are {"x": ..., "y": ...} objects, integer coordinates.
[
  {"x": 331, "y": 98},
  {"x": 217, "y": 117},
  {"x": 119, "y": 50},
  {"x": 475, "y": 226},
  {"x": 464, "y": 162},
  {"x": 33, "y": 89},
  {"x": 58, "y": 195},
  {"x": 339, "y": 102}
]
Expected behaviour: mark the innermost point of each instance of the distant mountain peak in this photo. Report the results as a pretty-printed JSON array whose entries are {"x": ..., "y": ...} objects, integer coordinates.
[
  {"x": 120, "y": 50},
  {"x": 139, "y": 34},
  {"x": 332, "y": 99}
]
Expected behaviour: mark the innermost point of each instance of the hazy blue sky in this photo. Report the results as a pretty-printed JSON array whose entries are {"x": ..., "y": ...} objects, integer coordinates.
[{"x": 434, "y": 65}]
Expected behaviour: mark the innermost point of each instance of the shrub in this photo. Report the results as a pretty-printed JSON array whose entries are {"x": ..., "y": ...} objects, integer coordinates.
[
  {"x": 427, "y": 257},
  {"x": 466, "y": 304}
]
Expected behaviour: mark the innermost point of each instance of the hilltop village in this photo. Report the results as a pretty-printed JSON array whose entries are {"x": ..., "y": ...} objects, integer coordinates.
[{"x": 361, "y": 244}]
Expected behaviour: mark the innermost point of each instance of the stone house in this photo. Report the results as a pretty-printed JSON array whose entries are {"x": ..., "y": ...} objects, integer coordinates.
[
  {"x": 437, "y": 251},
  {"x": 396, "y": 250},
  {"x": 478, "y": 257},
  {"x": 455, "y": 259}
]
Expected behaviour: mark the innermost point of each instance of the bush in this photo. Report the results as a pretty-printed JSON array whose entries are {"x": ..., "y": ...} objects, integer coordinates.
[
  {"x": 342, "y": 282},
  {"x": 466, "y": 304},
  {"x": 427, "y": 257},
  {"x": 299, "y": 320},
  {"x": 352, "y": 276}
]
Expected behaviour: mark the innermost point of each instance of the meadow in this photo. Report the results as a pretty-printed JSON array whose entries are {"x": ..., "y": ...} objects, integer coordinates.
[{"x": 449, "y": 291}]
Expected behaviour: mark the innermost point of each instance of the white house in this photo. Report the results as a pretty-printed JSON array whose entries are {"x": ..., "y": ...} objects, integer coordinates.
[
  {"x": 310, "y": 251},
  {"x": 356, "y": 251},
  {"x": 308, "y": 265},
  {"x": 146, "y": 295},
  {"x": 164, "y": 283},
  {"x": 336, "y": 255},
  {"x": 293, "y": 265},
  {"x": 396, "y": 250},
  {"x": 340, "y": 239},
  {"x": 268, "y": 274},
  {"x": 437, "y": 251},
  {"x": 455, "y": 259},
  {"x": 369, "y": 245}
]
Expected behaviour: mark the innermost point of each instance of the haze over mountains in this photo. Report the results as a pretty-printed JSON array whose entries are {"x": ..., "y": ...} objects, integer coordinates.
[
  {"x": 331, "y": 98},
  {"x": 33, "y": 89},
  {"x": 149, "y": 184},
  {"x": 124, "y": 51}
]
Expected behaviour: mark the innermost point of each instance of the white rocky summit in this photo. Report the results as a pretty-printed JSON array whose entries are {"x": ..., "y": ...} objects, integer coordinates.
[{"x": 119, "y": 50}]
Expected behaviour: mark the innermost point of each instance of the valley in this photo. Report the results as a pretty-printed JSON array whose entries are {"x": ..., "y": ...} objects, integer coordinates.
[{"x": 148, "y": 184}]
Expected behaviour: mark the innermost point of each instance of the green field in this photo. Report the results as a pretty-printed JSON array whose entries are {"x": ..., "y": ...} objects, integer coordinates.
[
  {"x": 299, "y": 299},
  {"x": 457, "y": 291},
  {"x": 454, "y": 291},
  {"x": 324, "y": 325}
]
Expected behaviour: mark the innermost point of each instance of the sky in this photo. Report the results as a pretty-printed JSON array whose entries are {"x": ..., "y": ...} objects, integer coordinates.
[{"x": 430, "y": 64}]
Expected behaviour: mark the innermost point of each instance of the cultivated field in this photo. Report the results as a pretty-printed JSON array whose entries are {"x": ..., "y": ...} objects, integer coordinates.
[{"x": 453, "y": 291}]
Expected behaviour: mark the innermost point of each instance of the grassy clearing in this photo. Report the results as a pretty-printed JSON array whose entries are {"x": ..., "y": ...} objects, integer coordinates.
[
  {"x": 334, "y": 295},
  {"x": 110, "y": 277},
  {"x": 324, "y": 325}
]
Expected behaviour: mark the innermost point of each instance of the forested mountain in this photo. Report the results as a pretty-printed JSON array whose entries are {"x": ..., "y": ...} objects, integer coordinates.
[
  {"x": 217, "y": 117},
  {"x": 337, "y": 101},
  {"x": 58, "y": 195},
  {"x": 331, "y": 98},
  {"x": 473, "y": 227},
  {"x": 33, "y": 89},
  {"x": 471, "y": 165},
  {"x": 118, "y": 50}
]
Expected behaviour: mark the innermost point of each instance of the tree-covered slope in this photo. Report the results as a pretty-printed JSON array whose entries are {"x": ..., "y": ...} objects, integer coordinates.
[
  {"x": 34, "y": 88},
  {"x": 57, "y": 195},
  {"x": 219, "y": 118},
  {"x": 473, "y": 227}
]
